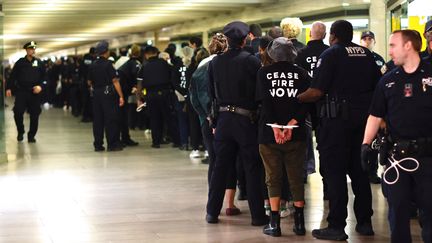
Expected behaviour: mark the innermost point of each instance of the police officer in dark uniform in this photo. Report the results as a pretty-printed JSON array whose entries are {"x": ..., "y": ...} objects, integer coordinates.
[
  {"x": 232, "y": 80},
  {"x": 26, "y": 81},
  {"x": 87, "y": 110},
  {"x": 108, "y": 96},
  {"x": 367, "y": 39},
  {"x": 427, "y": 53},
  {"x": 403, "y": 98},
  {"x": 156, "y": 78},
  {"x": 128, "y": 75},
  {"x": 346, "y": 76}
]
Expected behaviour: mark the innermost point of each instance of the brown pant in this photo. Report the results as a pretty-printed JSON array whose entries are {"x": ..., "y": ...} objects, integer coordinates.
[{"x": 292, "y": 154}]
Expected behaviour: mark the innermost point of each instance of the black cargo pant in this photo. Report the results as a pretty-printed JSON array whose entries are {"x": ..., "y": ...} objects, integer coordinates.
[
  {"x": 124, "y": 120},
  {"x": 236, "y": 134},
  {"x": 105, "y": 117},
  {"x": 339, "y": 146},
  {"x": 27, "y": 101},
  {"x": 400, "y": 195},
  {"x": 161, "y": 111}
]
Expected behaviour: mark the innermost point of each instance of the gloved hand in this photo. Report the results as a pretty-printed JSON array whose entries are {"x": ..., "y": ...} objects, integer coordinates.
[{"x": 365, "y": 151}]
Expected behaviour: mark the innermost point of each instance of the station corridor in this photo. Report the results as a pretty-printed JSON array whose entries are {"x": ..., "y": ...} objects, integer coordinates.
[{"x": 59, "y": 190}]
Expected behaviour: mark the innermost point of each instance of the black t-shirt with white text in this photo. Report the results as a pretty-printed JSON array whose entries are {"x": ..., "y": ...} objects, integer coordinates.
[{"x": 278, "y": 86}]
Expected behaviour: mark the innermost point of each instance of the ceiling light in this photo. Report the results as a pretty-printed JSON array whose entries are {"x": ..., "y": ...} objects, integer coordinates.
[{"x": 345, "y": 4}]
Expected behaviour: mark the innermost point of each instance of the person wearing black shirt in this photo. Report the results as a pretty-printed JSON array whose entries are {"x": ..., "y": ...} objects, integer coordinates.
[
  {"x": 277, "y": 88},
  {"x": 403, "y": 98},
  {"x": 26, "y": 81},
  {"x": 87, "y": 95},
  {"x": 108, "y": 96},
  {"x": 427, "y": 53},
  {"x": 292, "y": 28},
  {"x": 367, "y": 40},
  {"x": 128, "y": 75},
  {"x": 255, "y": 34},
  {"x": 156, "y": 78},
  {"x": 307, "y": 58},
  {"x": 232, "y": 80},
  {"x": 345, "y": 77}
]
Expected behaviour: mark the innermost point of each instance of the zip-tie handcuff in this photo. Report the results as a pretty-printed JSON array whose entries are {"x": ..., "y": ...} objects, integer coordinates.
[{"x": 397, "y": 163}]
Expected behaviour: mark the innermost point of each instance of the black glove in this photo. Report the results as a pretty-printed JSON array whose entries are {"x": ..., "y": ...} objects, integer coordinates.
[{"x": 365, "y": 152}]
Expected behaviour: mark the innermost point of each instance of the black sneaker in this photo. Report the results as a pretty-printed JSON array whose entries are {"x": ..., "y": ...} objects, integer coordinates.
[
  {"x": 364, "y": 229},
  {"x": 99, "y": 149},
  {"x": 20, "y": 137},
  {"x": 130, "y": 142},
  {"x": 115, "y": 148},
  {"x": 211, "y": 219},
  {"x": 155, "y": 146},
  {"x": 31, "y": 140},
  {"x": 330, "y": 234},
  {"x": 205, "y": 161}
]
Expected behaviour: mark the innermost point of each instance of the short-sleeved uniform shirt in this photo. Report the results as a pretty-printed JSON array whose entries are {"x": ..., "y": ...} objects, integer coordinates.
[
  {"x": 232, "y": 78},
  {"x": 278, "y": 86},
  {"x": 101, "y": 73},
  {"x": 404, "y": 100},
  {"x": 26, "y": 74},
  {"x": 347, "y": 71}
]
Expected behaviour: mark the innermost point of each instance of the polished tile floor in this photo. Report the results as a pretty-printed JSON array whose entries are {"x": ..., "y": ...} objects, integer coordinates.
[{"x": 58, "y": 190}]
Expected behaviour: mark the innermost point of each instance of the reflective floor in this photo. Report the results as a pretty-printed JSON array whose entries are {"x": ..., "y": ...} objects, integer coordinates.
[{"x": 59, "y": 190}]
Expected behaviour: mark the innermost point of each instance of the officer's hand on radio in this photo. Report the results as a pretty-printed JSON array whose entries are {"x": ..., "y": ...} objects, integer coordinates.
[
  {"x": 8, "y": 93},
  {"x": 37, "y": 89},
  {"x": 365, "y": 151},
  {"x": 121, "y": 101}
]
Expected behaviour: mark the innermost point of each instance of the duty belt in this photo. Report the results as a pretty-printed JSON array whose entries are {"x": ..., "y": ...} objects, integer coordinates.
[
  {"x": 237, "y": 110},
  {"x": 419, "y": 146}
]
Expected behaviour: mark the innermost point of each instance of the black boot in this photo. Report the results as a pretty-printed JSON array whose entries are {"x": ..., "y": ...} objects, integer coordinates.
[
  {"x": 299, "y": 226},
  {"x": 273, "y": 228}
]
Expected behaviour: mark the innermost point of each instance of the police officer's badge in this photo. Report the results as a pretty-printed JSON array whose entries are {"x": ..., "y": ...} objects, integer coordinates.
[
  {"x": 35, "y": 63},
  {"x": 427, "y": 81},
  {"x": 408, "y": 90}
]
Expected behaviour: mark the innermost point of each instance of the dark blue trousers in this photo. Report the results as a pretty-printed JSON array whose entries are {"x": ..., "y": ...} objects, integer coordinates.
[{"x": 236, "y": 134}]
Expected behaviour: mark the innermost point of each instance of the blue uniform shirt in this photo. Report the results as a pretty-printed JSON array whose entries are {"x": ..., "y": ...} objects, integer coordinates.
[
  {"x": 405, "y": 101},
  {"x": 347, "y": 71}
]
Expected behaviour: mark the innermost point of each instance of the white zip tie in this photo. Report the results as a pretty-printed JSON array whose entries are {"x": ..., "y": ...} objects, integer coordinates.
[{"x": 395, "y": 164}]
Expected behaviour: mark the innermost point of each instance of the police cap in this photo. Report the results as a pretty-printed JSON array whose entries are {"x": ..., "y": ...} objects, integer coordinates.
[
  {"x": 30, "y": 44},
  {"x": 101, "y": 47},
  {"x": 428, "y": 26},
  {"x": 282, "y": 49},
  {"x": 236, "y": 30},
  {"x": 368, "y": 33}
]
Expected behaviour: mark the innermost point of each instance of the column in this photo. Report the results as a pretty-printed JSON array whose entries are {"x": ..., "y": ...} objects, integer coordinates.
[
  {"x": 377, "y": 24},
  {"x": 205, "y": 39}
]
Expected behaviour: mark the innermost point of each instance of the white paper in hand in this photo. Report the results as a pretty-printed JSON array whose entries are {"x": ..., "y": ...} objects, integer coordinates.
[{"x": 281, "y": 126}]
